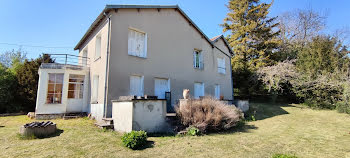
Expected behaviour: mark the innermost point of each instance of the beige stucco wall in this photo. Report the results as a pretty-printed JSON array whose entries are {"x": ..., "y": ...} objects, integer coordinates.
[
  {"x": 170, "y": 44},
  {"x": 97, "y": 65},
  {"x": 171, "y": 41}
]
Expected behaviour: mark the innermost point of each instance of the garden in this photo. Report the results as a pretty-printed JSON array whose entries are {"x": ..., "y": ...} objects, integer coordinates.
[{"x": 289, "y": 129}]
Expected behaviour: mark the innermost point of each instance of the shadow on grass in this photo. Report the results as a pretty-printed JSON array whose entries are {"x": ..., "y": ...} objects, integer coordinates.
[
  {"x": 260, "y": 111},
  {"x": 57, "y": 133},
  {"x": 161, "y": 134},
  {"x": 149, "y": 144},
  {"x": 241, "y": 127}
]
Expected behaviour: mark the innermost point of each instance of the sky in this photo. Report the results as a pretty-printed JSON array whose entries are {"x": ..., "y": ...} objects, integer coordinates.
[{"x": 56, "y": 26}]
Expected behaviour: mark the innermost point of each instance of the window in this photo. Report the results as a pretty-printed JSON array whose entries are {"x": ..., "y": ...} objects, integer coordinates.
[
  {"x": 221, "y": 65},
  {"x": 136, "y": 85},
  {"x": 198, "y": 59},
  {"x": 198, "y": 90},
  {"x": 137, "y": 43},
  {"x": 54, "y": 89},
  {"x": 98, "y": 47},
  {"x": 217, "y": 91},
  {"x": 76, "y": 86},
  {"x": 95, "y": 88}
]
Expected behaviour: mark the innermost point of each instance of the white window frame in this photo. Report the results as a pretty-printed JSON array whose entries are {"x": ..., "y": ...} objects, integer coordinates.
[
  {"x": 217, "y": 91},
  {"x": 221, "y": 65},
  {"x": 55, "y": 83},
  {"x": 131, "y": 44},
  {"x": 141, "y": 84},
  {"x": 78, "y": 83},
  {"x": 96, "y": 82},
  {"x": 98, "y": 46},
  {"x": 198, "y": 62},
  {"x": 196, "y": 94}
]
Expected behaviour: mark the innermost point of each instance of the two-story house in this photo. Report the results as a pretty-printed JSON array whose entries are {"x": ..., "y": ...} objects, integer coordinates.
[{"x": 137, "y": 50}]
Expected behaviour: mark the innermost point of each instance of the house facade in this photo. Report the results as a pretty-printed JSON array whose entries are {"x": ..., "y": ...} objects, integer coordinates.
[{"x": 145, "y": 50}]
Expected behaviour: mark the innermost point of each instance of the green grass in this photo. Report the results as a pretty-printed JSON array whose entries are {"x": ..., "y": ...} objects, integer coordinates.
[{"x": 278, "y": 129}]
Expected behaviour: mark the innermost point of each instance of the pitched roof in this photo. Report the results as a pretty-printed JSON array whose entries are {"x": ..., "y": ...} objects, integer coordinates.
[
  {"x": 112, "y": 7},
  {"x": 216, "y": 38}
]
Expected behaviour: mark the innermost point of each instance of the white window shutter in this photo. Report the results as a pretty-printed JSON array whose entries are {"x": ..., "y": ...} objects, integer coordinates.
[
  {"x": 217, "y": 91},
  {"x": 145, "y": 46},
  {"x": 141, "y": 88},
  {"x": 223, "y": 66},
  {"x": 219, "y": 64},
  {"x": 138, "y": 44},
  {"x": 194, "y": 59},
  {"x": 136, "y": 85},
  {"x": 201, "y": 63}
]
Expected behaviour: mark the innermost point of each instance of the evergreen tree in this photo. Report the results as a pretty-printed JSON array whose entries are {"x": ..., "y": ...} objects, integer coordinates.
[
  {"x": 253, "y": 38},
  {"x": 28, "y": 77},
  {"x": 324, "y": 54},
  {"x": 8, "y": 86}
]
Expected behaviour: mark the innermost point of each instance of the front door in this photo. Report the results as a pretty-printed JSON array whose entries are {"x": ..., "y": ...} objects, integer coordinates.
[{"x": 160, "y": 87}]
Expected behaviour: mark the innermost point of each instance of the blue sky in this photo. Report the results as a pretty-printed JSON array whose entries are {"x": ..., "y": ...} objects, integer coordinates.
[{"x": 61, "y": 23}]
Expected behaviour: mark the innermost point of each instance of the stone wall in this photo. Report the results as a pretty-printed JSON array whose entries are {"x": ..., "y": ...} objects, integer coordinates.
[{"x": 48, "y": 116}]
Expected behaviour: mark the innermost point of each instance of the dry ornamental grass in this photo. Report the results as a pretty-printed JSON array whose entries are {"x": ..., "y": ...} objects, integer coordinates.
[{"x": 209, "y": 114}]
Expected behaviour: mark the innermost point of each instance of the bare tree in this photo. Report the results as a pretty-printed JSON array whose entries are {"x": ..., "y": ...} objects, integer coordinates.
[
  {"x": 301, "y": 25},
  {"x": 7, "y": 58}
]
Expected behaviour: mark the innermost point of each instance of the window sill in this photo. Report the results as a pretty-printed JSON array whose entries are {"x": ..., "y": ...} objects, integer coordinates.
[
  {"x": 138, "y": 56},
  {"x": 97, "y": 59},
  {"x": 50, "y": 104},
  {"x": 196, "y": 68}
]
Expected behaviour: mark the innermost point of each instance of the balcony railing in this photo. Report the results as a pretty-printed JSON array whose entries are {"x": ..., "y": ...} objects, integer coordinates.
[{"x": 67, "y": 61}]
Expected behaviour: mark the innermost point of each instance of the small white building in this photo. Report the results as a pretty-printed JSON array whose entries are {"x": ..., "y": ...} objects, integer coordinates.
[{"x": 62, "y": 89}]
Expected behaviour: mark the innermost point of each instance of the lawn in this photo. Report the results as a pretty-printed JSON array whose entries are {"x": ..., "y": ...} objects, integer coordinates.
[{"x": 279, "y": 128}]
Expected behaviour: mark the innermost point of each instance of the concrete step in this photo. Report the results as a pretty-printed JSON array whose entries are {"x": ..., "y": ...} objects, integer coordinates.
[
  {"x": 171, "y": 115},
  {"x": 105, "y": 124},
  {"x": 69, "y": 117}
]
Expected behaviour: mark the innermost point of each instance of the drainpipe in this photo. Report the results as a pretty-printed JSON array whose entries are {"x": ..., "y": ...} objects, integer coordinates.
[
  {"x": 232, "y": 80},
  {"x": 107, "y": 64}
]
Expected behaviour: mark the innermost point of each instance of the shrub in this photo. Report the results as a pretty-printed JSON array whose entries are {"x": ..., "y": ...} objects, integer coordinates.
[
  {"x": 283, "y": 156},
  {"x": 208, "y": 114},
  {"x": 134, "y": 139},
  {"x": 193, "y": 131},
  {"x": 343, "y": 107}
]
